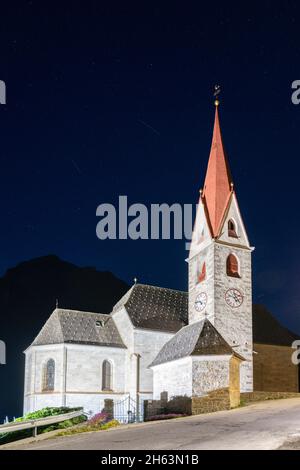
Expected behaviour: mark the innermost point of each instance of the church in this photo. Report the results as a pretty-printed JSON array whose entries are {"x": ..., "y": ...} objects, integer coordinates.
[{"x": 158, "y": 340}]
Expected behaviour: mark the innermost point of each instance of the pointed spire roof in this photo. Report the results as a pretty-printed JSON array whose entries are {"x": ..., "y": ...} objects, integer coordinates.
[{"x": 218, "y": 184}]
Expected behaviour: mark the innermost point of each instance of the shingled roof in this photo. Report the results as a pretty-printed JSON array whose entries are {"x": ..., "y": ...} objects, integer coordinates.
[
  {"x": 200, "y": 338},
  {"x": 72, "y": 326},
  {"x": 155, "y": 308},
  {"x": 149, "y": 307}
]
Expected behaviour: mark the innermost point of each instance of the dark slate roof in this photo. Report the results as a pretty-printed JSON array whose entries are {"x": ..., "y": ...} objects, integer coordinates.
[
  {"x": 155, "y": 308},
  {"x": 200, "y": 338},
  {"x": 268, "y": 330},
  {"x": 72, "y": 326},
  {"x": 149, "y": 307}
]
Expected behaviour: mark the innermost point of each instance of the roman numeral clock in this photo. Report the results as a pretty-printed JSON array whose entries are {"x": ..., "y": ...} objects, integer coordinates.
[
  {"x": 201, "y": 302},
  {"x": 234, "y": 298}
]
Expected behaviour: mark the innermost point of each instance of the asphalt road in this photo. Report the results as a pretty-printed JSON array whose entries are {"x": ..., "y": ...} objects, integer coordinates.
[{"x": 267, "y": 425}]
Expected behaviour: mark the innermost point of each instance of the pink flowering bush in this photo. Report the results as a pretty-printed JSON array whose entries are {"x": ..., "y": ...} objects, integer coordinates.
[{"x": 98, "y": 419}]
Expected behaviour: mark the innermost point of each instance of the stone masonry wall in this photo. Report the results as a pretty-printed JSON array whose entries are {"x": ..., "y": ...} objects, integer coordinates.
[
  {"x": 207, "y": 286},
  {"x": 274, "y": 370},
  {"x": 234, "y": 381},
  {"x": 210, "y": 374},
  {"x": 218, "y": 400},
  {"x": 235, "y": 324},
  {"x": 253, "y": 397}
]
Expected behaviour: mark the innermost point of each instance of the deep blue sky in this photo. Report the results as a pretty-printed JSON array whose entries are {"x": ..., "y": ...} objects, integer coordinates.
[{"x": 105, "y": 102}]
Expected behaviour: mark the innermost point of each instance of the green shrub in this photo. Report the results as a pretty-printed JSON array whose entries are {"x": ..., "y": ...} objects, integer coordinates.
[
  {"x": 43, "y": 413},
  {"x": 46, "y": 412}
]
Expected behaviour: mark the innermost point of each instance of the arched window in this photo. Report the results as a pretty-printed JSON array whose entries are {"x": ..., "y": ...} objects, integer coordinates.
[
  {"x": 232, "y": 229},
  {"x": 202, "y": 274},
  {"x": 49, "y": 376},
  {"x": 232, "y": 266},
  {"x": 106, "y": 375}
]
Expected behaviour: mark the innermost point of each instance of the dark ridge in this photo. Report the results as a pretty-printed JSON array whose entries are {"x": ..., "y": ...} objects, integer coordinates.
[{"x": 268, "y": 330}]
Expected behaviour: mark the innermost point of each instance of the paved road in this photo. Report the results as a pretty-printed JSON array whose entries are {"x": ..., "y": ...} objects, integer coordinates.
[{"x": 266, "y": 425}]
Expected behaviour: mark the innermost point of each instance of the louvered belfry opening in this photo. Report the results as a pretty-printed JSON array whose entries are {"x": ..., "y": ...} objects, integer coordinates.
[
  {"x": 232, "y": 266},
  {"x": 202, "y": 274},
  {"x": 232, "y": 229}
]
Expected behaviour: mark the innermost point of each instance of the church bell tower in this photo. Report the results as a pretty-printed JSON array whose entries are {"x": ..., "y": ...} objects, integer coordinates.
[{"x": 220, "y": 286}]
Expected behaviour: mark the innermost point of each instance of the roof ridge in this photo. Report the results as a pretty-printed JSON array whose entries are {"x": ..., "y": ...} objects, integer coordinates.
[
  {"x": 163, "y": 288},
  {"x": 77, "y": 311},
  {"x": 53, "y": 318},
  {"x": 59, "y": 322},
  {"x": 196, "y": 342}
]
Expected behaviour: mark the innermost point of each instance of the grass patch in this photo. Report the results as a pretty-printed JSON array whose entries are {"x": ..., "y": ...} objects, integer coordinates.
[{"x": 89, "y": 428}]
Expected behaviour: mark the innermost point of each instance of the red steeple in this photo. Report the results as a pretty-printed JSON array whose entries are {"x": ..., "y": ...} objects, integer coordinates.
[{"x": 218, "y": 184}]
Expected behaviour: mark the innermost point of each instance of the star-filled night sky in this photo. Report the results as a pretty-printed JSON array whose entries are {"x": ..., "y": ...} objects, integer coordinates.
[{"x": 105, "y": 101}]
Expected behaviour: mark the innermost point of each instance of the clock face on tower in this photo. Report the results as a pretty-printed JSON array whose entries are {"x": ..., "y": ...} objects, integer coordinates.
[
  {"x": 201, "y": 301},
  {"x": 234, "y": 298}
]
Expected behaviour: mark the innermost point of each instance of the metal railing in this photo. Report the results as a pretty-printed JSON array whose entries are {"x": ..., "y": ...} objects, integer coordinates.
[{"x": 36, "y": 423}]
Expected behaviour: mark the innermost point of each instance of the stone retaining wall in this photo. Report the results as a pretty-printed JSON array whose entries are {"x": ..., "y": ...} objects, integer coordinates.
[
  {"x": 251, "y": 397},
  {"x": 216, "y": 400}
]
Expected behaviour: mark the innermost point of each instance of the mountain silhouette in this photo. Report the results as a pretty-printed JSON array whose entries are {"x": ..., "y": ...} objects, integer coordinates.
[{"x": 28, "y": 296}]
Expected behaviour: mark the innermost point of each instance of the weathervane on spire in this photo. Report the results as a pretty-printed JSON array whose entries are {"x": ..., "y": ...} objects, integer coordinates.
[{"x": 216, "y": 94}]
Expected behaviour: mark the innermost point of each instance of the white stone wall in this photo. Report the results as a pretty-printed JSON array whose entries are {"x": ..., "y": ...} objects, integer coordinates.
[
  {"x": 77, "y": 384},
  {"x": 84, "y": 368},
  {"x": 209, "y": 373},
  {"x": 125, "y": 327},
  {"x": 36, "y": 358},
  {"x": 142, "y": 342},
  {"x": 148, "y": 344},
  {"x": 126, "y": 331},
  {"x": 43, "y": 400},
  {"x": 235, "y": 324},
  {"x": 78, "y": 369},
  {"x": 207, "y": 286},
  {"x": 174, "y": 377},
  {"x": 201, "y": 233},
  {"x": 234, "y": 215},
  {"x": 93, "y": 402},
  {"x": 191, "y": 376}
]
